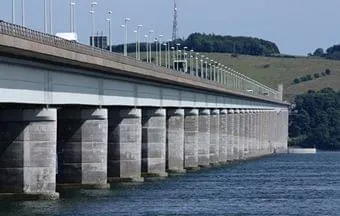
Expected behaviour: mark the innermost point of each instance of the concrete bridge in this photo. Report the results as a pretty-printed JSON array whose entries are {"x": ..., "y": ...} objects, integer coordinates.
[{"x": 74, "y": 115}]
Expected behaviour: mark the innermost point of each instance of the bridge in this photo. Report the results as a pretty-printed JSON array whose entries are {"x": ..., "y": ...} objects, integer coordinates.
[{"x": 74, "y": 115}]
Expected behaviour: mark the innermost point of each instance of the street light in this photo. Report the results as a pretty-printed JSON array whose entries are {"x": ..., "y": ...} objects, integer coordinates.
[
  {"x": 13, "y": 11},
  {"x": 110, "y": 35},
  {"x": 150, "y": 45},
  {"x": 166, "y": 54},
  {"x": 93, "y": 4},
  {"x": 160, "y": 50},
  {"x": 139, "y": 27},
  {"x": 173, "y": 57},
  {"x": 72, "y": 5},
  {"x": 190, "y": 60},
  {"x": 136, "y": 46},
  {"x": 126, "y": 20},
  {"x": 23, "y": 12},
  {"x": 206, "y": 67},
  {"x": 177, "y": 46},
  {"x": 156, "y": 50},
  {"x": 147, "y": 47}
]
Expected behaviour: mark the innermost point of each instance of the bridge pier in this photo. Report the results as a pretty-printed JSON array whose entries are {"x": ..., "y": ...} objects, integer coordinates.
[
  {"x": 153, "y": 142},
  {"x": 230, "y": 135},
  {"x": 223, "y": 136},
  {"x": 236, "y": 133},
  {"x": 242, "y": 134},
  {"x": 191, "y": 139},
  {"x": 204, "y": 137},
  {"x": 214, "y": 136},
  {"x": 124, "y": 144},
  {"x": 175, "y": 141},
  {"x": 82, "y": 147},
  {"x": 28, "y": 153}
]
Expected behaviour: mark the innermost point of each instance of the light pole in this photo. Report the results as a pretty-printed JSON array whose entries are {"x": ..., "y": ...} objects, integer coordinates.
[
  {"x": 126, "y": 20},
  {"x": 72, "y": 5},
  {"x": 136, "y": 46},
  {"x": 190, "y": 60},
  {"x": 156, "y": 50},
  {"x": 13, "y": 11},
  {"x": 166, "y": 54},
  {"x": 51, "y": 15},
  {"x": 110, "y": 33},
  {"x": 147, "y": 47},
  {"x": 201, "y": 67},
  {"x": 160, "y": 49},
  {"x": 45, "y": 16},
  {"x": 93, "y": 4},
  {"x": 206, "y": 67},
  {"x": 150, "y": 45},
  {"x": 177, "y": 51},
  {"x": 139, "y": 28},
  {"x": 196, "y": 65},
  {"x": 23, "y": 12},
  {"x": 173, "y": 57}
]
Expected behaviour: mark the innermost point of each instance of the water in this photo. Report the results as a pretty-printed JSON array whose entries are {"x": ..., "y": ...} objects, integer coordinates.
[{"x": 280, "y": 185}]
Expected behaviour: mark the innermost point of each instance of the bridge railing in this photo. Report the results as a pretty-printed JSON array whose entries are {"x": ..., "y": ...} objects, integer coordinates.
[{"x": 223, "y": 77}]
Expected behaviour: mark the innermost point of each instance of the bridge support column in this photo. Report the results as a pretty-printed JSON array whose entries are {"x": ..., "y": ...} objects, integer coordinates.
[
  {"x": 242, "y": 134},
  {"x": 154, "y": 142},
  {"x": 252, "y": 128},
  {"x": 204, "y": 138},
  {"x": 246, "y": 134},
  {"x": 125, "y": 145},
  {"x": 82, "y": 147},
  {"x": 236, "y": 133},
  {"x": 175, "y": 141},
  {"x": 214, "y": 136},
  {"x": 191, "y": 139},
  {"x": 28, "y": 153},
  {"x": 230, "y": 135},
  {"x": 223, "y": 136},
  {"x": 266, "y": 126}
]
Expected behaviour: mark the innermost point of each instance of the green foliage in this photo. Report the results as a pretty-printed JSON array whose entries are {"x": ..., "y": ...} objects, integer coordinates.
[
  {"x": 327, "y": 71},
  {"x": 333, "y": 52},
  {"x": 319, "y": 52},
  {"x": 217, "y": 43},
  {"x": 315, "y": 120},
  {"x": 296, "y": 80},
  {"x": 316, "y": 75}
]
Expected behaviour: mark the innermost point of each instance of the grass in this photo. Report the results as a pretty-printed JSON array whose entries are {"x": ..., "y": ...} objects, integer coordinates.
[{"x": 273, "y": 71}]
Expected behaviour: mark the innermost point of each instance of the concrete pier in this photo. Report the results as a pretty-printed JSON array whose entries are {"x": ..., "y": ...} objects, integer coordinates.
[
  {"x": 242, "y": 134},
  {"x": 28, "y": 153},
  {"x": 246, "y": 134},
  {"x": 236, "y": 133},
  {"x": 191, "y": 139},
  {"x": 214, "y": 136},
  {"x": 230, "y": 135},
  {"x": 82, "y": 147},
  {"x": 204, "y": 137},
  {"x": 124, "y": 144},
  {"x": 175, "y": 141},
  {"x": 153, "y": 142},
  {"x": 223, "y": 136}
]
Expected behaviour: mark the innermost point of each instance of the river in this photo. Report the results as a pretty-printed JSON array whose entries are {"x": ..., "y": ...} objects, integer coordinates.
[{"x": 289, "y": 184}]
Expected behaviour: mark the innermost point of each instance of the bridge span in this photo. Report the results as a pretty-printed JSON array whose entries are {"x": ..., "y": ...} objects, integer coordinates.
[{"x": 74, "y": 115}]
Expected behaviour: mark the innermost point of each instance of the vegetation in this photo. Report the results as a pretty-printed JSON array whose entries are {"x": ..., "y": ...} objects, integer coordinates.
[
  {"x": 222, "y": 44},
  {"x": 309, "y": 77},
  {"x": 315, "y": 120}
]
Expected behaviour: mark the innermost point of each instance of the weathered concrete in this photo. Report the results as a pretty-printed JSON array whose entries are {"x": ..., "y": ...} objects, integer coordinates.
[
  {"x": 175, "y": 141},
  {"x": 125, "y": 144},
  {"x": 223, "y": 136},
  {"x": 246, "y": 134},
  {"x": 214, "y": 136},
  {"x": 153, "y": 142},
  {"x": 82, "y": 147},
  {"x": 236, "y": 133},
  {"x": 242, "y": 134},
  {"x": 230, "y": 135},
  {"x": 204, "y": 137},
  {"x": 28, "y": 153},
  {"x": 191, "y": 139}
]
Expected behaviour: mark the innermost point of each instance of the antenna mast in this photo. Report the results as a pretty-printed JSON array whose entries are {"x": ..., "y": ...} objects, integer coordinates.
[{"x": 174, "y": 25}]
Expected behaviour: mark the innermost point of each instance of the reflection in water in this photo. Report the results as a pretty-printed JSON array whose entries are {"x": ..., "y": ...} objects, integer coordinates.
[{"x": 280, "y": 185}]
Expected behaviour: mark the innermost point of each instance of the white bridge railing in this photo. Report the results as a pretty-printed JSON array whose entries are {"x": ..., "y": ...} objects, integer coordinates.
[{"x": 222, "y": 76}]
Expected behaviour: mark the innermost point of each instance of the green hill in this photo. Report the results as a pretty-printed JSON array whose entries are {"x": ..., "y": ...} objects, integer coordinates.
[{"x": 275, "y": 70}]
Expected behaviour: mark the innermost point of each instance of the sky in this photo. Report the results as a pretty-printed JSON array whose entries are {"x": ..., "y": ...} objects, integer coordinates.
[{"x": 296, "y": 26}]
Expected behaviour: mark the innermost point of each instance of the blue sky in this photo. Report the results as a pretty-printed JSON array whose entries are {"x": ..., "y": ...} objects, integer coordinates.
[{"x": 296, "y": 26}]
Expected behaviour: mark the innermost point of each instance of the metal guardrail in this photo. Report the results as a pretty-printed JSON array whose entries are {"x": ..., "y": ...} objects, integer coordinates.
[{"x": 227, "y": 77}]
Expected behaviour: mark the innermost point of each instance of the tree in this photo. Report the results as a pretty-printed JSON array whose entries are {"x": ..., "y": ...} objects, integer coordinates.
[
  {"x": 316, "y": 75},
  {"x": 296, "y": 80},
  {"x": 319, "y": 52},
  {"x": 327, "y": 71}
]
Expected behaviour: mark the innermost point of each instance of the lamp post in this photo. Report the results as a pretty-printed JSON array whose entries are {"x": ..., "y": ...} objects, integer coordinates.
[
  {"x": 166, "y": 54},
  {"x": 72, "y": 5},
  {"x": 206, "y": 67},
  {"x": 147, "y": 47},
  {"x": 110, "y": 35},
  {"x": 139, "y": 28},
  {"x": 45, "y": 16},
  {"x": 201, "y": 67},
  {"x": 173, "y": 57},
  {"x": 93, "y": 4},
  {"x": 23, "y": 12},
  {"x": 136, "y": 46},
  {"x": 13, "y": 11},
  {"x": 177, "y": 51},
  {"x": 156, "y": 50},
  {"x": 160, "y": 49},
  {"x": 190, "y": 60},
  {"x": 196, "y": 65},
  {"x": 126, "y": 20},
  {"x": 150, "y": 45}
]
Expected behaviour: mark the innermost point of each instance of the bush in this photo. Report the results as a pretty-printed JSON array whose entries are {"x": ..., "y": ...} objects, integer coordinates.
[
  {"x": 328, "y": 71},
  {"x": 316, "y": 75},
  {"x": 323, "y": 74},
  {"x": 309, "y": 77},
  {"x": 303, "y": 79},
  {"x": 296, "y": 80}
]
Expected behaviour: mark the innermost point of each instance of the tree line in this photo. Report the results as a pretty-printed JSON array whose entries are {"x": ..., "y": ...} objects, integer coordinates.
[
  {"x": 315, "y": 120},
  {"x": 201, "y": 42}
]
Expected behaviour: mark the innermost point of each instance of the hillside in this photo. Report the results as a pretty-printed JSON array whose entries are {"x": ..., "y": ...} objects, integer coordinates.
[{"x": 273, "y": 71}]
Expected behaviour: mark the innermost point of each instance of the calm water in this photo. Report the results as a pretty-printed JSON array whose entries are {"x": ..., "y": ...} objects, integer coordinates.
[{"x": 280, "y": 185}]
